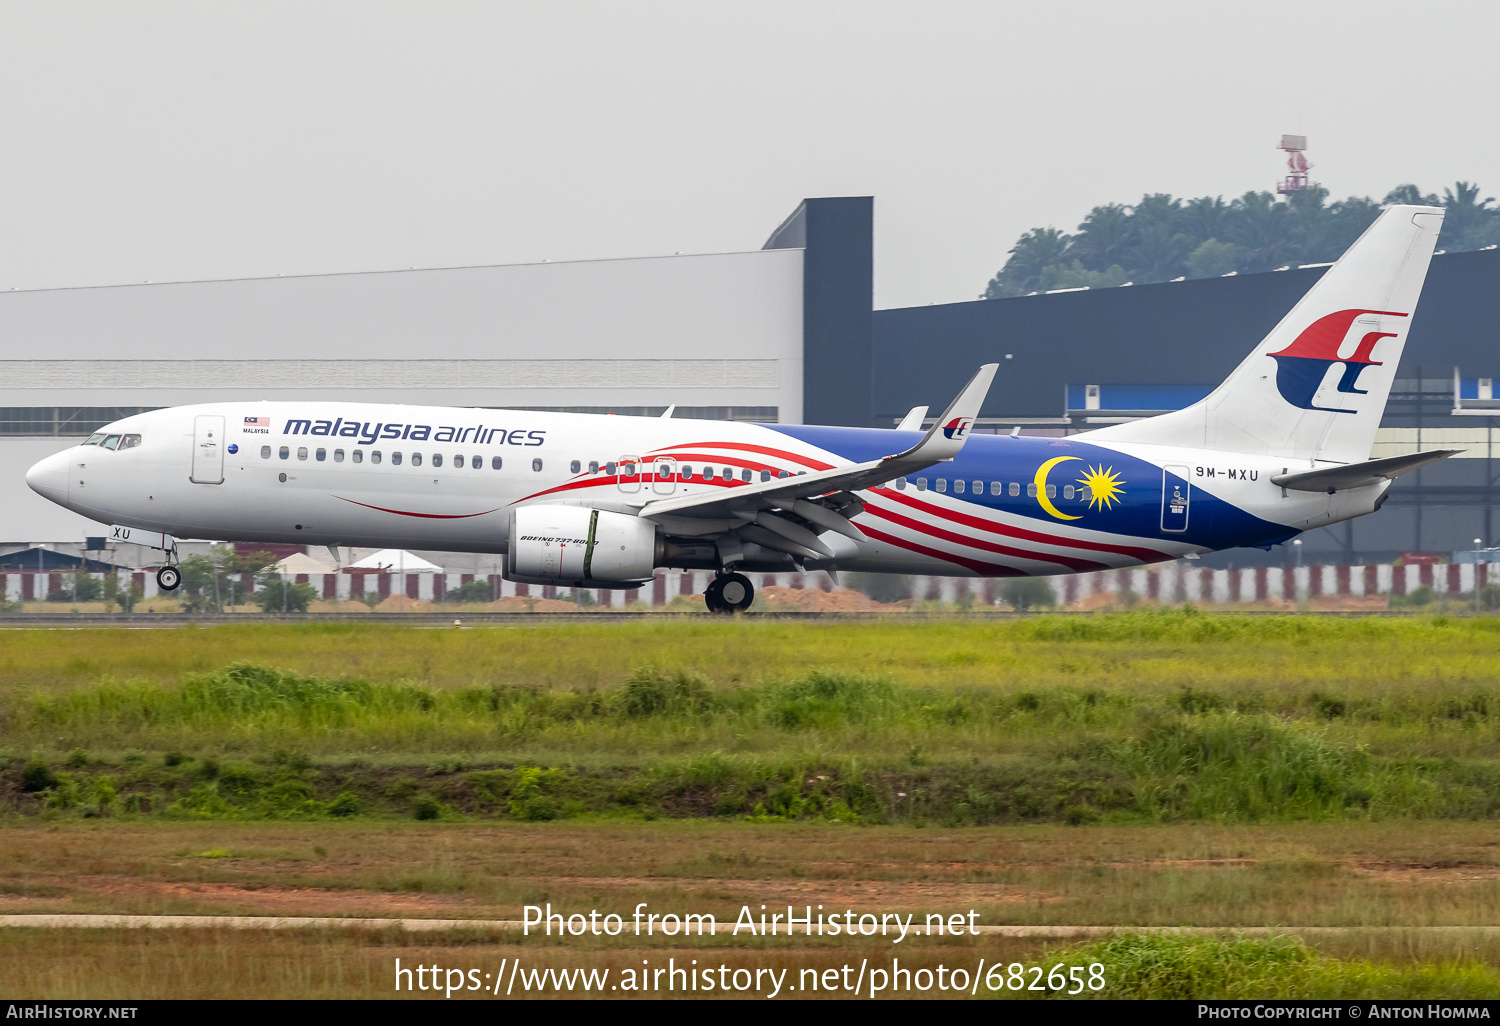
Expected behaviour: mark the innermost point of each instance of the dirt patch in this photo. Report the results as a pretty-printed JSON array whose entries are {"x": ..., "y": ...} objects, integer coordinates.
[
  {"x": 815, "y": 600},
  {"x": 126, "y": 891}
]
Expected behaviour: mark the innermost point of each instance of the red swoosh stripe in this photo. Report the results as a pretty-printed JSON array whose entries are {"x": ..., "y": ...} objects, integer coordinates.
[
  {"x": 424, "y": 516},
  {"x": 1071, "y": 562},
  {"x": 978, "y": 566},
  {"x": 806, "y": 461},
  {"x": 1144, "y": 555}
]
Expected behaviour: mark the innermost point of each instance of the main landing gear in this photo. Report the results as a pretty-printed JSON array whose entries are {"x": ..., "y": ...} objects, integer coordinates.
[
  {"x": 729, "y": 593},
  {"x": 169, "y": 577}
]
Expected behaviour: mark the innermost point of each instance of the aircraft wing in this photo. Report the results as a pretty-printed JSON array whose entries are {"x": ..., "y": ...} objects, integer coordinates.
[{"x": 751, "y": 502}]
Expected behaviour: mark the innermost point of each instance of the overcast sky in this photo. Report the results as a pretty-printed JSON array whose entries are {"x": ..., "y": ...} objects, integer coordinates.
[{"x": 171, "y": 141}]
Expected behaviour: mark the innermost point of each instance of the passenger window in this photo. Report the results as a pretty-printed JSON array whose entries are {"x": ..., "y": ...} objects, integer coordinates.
[
  {"x": 958, "y": 487},
  {"x": 746, "y": 475},
  {"x": 1031, "y": 490},
  {"x": 942, "y": 484},
  {"x": 900, "y": 484},
  {"x": 996, "y": 487},
  {"x": 783, "y": 473},
  {"x": 416, "y": 459},
  {"x": 130, "y": 441},
  {"x": 575, "y": 467},
  {"x": 765, "y": 475},
  {"x": 265, "y": 452},
  {"x": 395, "y": 459},
  {"x": 285, "y": 453},
  {"x": 95, "y": 439},
  {"x": 593, "y": 466},
  {"x": 477, "y": 462},
  {"x": 536, "y": 465},
  {"x": 687, "y": 471},
  {"x": 437, "y": 459},
  {"x": 728, "y": 474},
  {"x": 111, "y": 441},
  {"x": 494, "y": 462},
  {"x": 338, "y": 455},
  {"x": 921, "y": 484},
  {"x": 1015, "y": 488},
  {"x": 609, "y": 468},
  {"x": 321, "y": 455},
  {"x": 1067, "y": 491},
  {"x": 978, "y": 487},
  {"x": 708, "y": 473},
  {"x": 302, "y": 452},
  {"x": 1052, "y": 491},
  {"x": 357, "y": 455},
  {"x": 375, "y": 456}
]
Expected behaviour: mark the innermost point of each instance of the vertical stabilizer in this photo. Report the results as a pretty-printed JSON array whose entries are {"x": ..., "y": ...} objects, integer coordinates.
[{"x": 1316, "y": 386}]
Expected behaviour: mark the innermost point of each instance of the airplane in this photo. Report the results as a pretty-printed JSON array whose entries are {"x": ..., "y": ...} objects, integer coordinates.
[{"x": 1282, "y": 446}]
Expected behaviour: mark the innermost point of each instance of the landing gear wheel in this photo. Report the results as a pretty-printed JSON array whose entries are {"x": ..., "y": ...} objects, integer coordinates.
[
  {"x": 713, "y": 597},
  {"x": 735, "y": 592},
  {"x": 167, "y": 578}
]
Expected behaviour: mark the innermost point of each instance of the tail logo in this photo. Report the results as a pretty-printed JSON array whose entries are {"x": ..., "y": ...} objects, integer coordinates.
[
  {"x": 1302, "y": 366},
  {"x": 957, "y": 427}
]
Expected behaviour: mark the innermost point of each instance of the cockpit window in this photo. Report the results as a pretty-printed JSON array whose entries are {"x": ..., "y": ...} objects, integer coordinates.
[
  {"x": 111, "y": 441},
  {"x": 95, "y": 438},
  {"x": 129, "y": 441}
]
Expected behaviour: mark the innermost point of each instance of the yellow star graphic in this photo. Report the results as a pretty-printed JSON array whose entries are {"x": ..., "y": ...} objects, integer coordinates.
[{"x": 1104, "y": 486}]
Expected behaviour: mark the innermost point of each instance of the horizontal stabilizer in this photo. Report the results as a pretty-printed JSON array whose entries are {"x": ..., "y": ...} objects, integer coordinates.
[{"x": 1359, "y": 475}]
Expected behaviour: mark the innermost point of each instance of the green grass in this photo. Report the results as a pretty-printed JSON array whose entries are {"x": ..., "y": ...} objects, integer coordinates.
[
  {"x": 1165, "y": 716},
  {"x": 1175, "y": 967}
]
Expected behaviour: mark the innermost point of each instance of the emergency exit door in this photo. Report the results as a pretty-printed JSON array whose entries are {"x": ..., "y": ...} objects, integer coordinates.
[{"x": 208, "y": 450}]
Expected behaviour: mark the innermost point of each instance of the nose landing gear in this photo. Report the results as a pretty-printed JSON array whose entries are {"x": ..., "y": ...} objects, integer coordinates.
[
  {"x": 169, "y": 577},
  {"x": 729, "y": 593}
]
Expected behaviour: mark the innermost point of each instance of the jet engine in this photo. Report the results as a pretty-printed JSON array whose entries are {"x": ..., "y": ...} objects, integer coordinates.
[{"x": 587, "y": 548}]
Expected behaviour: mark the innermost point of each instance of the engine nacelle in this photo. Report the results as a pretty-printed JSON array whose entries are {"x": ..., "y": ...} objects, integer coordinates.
[{"x": 591, "y": 548}]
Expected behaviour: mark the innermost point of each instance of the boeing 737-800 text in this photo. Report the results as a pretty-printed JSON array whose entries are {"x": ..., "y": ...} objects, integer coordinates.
[{"x": 1280, "y": 447}]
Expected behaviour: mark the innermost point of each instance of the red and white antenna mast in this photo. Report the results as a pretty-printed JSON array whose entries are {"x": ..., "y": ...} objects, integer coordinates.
[{"x": 1297, "y": 180}]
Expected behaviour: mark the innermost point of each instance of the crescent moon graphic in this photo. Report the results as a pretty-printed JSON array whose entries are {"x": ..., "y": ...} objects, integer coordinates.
[{"x": 1041, "y": 487}]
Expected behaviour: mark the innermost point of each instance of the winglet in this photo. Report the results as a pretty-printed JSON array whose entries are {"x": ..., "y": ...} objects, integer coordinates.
[
  {"x": 913, "y": 420},
  {"x": 947, "y": 436}
]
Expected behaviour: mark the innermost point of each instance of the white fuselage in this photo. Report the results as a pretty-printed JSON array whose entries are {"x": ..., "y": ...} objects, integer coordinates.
[{"x": 446, "y": 479}]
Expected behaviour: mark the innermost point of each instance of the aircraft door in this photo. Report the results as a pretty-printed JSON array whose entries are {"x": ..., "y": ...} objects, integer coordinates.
[
  {"x": 664, "y": 476},
  {"x": 208, "y": 450},
  {"x": 1176, "y": 495},
  {"x": 629, "y": 474}
]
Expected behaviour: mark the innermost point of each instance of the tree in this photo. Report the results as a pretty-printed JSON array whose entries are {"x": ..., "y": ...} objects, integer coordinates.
[
  {"x": 473, "y": 591},
  {"x": 279, "y": 596},
  {"x": 1034, "y": 251},
  {"x": 1468, "y": 223},
  {"x": 1023, "y": 593},
  {"x": 1103, "y": 237},
  {"x": 1161, "y": 237},
  {"x": 1211, "y": 259}
]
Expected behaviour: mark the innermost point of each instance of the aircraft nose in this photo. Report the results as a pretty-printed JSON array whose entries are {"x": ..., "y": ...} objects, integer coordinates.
[{"x": 49, "y": 477}]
